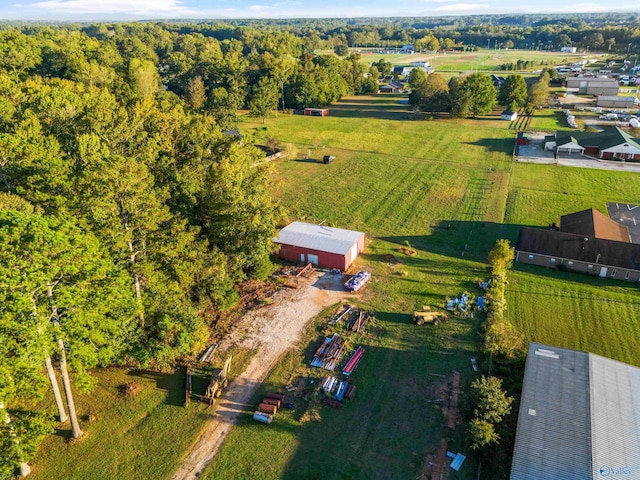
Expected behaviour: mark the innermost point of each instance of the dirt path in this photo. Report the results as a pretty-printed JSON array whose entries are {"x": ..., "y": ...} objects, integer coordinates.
[{"x": 271, "y": 331}]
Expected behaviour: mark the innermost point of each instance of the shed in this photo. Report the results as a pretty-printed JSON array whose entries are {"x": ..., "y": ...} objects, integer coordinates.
[
  {"x": 316, "y": 112},
  {"x": 508, "y": 115},
  {"x": 320, "y": 245}
]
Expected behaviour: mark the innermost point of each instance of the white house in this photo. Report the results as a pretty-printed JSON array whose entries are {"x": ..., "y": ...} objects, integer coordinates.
[{"x": 568, "y": 49}]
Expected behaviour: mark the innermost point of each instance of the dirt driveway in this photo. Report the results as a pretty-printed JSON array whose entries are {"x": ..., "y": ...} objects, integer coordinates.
[{"x": 271, "y": 331}]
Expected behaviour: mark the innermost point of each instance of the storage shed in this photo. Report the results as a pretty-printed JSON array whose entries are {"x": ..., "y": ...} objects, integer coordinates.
[
  {"x": 316, "y": 112},
  {"x": 320, "y": 245},
  {"x": 508, "y": 115}
]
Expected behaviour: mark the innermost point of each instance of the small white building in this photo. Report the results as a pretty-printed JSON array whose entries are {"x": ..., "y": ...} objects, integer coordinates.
[
  {"x": 508, "y": 115},
  {"x": 568, "y": 49}
]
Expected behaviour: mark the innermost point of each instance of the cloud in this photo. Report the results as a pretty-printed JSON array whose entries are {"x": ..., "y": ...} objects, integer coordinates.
[
  {"x": 261, "y": 8},
  {"x": 115, "y": 7},
  {"x": 462, "y": 7}
]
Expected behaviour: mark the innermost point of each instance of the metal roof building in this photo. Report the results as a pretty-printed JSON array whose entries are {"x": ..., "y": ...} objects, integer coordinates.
[
  {"x": 321, "y": 245},
  {"x": 579, "y": 417}
]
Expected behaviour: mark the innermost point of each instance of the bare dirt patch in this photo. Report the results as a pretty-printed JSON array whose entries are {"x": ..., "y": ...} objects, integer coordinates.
[
  {"x": 445, "y": 391},
  {"x": 269, "y": 331}
]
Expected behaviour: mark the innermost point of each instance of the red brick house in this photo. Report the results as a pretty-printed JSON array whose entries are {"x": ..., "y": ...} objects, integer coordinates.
[
  {"x": 320, "y": 245},
  {"x": 611, "y": 143}
]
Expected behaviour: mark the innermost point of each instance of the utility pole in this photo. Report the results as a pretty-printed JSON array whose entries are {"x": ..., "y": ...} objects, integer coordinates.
[{"x": 488, "y": 41}]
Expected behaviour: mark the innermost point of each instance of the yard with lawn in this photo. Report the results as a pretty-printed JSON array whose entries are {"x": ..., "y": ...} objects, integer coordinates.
[{"x": 443, "y": 187}]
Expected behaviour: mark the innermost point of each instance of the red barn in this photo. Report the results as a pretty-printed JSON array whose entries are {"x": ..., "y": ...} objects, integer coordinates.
[
  {"x": 316, "y": 112},
  {"x": 321, "y": 245}
]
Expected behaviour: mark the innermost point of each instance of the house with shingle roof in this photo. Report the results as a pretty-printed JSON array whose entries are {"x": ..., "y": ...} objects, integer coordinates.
[
  {"x": 611, "y": 143},
  {"x": 586, "y": 242}
]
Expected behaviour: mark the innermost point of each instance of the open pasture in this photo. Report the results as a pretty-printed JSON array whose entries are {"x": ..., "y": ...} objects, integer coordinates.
[{"x": 446, "y": 187}]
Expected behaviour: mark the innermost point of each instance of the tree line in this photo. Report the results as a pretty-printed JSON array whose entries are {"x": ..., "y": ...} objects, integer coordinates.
[{"x": 475, "y": 94}]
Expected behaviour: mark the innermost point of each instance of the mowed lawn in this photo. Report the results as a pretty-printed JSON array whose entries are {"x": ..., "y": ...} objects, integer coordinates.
[
  {"x": 578, "y": 312},
  {"x": 392, "y": 424},
  {"x": 379, "y": 124},
  {"x": 141, "y": 436},
  {"x": 446, "y": 187},
  {"x": 564, "y": 309}
]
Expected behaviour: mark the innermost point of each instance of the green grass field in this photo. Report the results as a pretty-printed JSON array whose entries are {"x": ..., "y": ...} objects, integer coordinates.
[{"x": 447, "y": 187}]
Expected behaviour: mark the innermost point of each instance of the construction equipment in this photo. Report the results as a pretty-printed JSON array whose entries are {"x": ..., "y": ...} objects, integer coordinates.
[
  {"x": 219, "y": 381},
  {"x": 427, "y": 316}
]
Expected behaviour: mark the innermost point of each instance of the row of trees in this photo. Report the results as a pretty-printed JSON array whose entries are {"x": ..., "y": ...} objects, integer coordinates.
[
  {"x": 127, "y": 215},
  {"x": 500, "y": 337},
  {"x": 473, "y": 94}
]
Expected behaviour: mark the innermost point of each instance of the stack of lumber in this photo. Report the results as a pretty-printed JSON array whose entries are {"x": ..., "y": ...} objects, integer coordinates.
[
  {"x": 360, "y": 322},
  {"x": 328, "y": 353}
]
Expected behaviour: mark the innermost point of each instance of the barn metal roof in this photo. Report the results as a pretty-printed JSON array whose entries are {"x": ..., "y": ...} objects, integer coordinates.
[
  {"x": 553, "y": 439},
  {"x": 318, "y": 237},
  {"x": 579, "y": 417}
]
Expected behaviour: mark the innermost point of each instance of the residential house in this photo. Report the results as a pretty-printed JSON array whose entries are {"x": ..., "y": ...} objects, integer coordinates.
[
  {"x": 611, "y": 143},
  {"x": 586, "y": 242}
]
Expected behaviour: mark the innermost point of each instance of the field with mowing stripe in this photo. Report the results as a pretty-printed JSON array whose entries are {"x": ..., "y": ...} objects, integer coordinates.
[{"x": 447, "y": 188}]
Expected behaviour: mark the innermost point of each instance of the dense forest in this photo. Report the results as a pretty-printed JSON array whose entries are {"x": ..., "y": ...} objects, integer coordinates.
[{"x": 129, "y": 213}]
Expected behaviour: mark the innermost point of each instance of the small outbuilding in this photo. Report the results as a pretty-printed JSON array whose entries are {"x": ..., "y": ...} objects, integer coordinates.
[
  {"x": 508, "y": 115},
  {"x": 316, "y": 112},
  {"x": 320, "y": 245}
]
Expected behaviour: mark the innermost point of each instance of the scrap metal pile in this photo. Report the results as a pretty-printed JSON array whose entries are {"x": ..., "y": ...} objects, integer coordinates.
[
  {"x": 268, "y": 408},
  {"x": 358, "y": 281},
  {"x": 336, "y": 391},
  {"x": 328, "y": 354},
  {"x": 354, "y": 318}
]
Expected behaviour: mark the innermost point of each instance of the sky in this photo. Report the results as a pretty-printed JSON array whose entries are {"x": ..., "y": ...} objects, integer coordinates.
[{"x": 94, "y": 10}]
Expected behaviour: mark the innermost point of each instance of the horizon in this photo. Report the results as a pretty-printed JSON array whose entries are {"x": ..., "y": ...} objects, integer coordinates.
[{"x": 184, "y": 10}]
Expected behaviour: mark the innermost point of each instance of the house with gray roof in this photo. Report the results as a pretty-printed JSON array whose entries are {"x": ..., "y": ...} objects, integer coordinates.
[
  {"x": 579, "y": 417},
  {"x": 611, "y": 143}
]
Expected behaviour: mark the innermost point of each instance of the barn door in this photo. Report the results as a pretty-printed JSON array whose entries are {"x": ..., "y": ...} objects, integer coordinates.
[
  {"x": 302, "y": 258},
  {"x": 312, "y": 259}
]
